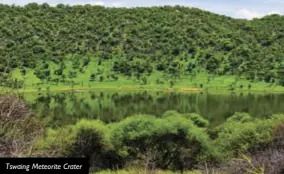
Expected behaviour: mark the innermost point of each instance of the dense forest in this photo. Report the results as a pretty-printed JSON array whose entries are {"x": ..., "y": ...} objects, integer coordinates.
[{"x": 136, "y": 42}]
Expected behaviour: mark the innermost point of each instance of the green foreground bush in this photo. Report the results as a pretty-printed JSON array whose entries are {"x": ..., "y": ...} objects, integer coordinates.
[
  {"x": 242, "y": 132},
  {"x": 173, "y": 142}
]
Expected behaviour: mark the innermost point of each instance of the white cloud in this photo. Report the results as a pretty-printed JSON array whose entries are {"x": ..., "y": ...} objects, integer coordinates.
[
  {"x": 248, "y": 14},
  {"x": 116, "y": 4},
  {"x": 97, "y": 3},
  {"x": 274, "y": 12}
]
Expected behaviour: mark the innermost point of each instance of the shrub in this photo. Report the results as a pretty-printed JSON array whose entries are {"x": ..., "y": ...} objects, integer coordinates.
[
  {"x": 12, "y": 111},
  {"x": 240, "y": 117},
  {"x": 278, "y": 132},
  {"x": 241, "y": 132},
  {"x": 197, "y": 120},
  {"x": 267, "y": 158},
  {"x": 86, "y": 138},
  {"x": 261, "y": 140},
  {"x": 67, "y": 140},
  {"x": 18, "y": 127},
  {"x": 173, "y": 142},
  {"x": 12, "y": 108}
]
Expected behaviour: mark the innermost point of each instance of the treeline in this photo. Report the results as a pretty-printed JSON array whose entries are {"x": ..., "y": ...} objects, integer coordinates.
[{"x": 138, "y": 41}]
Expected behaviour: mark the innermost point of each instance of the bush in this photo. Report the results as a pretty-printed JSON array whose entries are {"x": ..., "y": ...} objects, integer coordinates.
[
  {"x": 18, "y": 127},
  {"x": 173, "y": 142},
  {"x": 268, "y": 158},
  {"x": 12, "y": 108},
  {"x": 66, "y": 140},
  {"x": 87, "y": 138},
  {"x": 241, "y": 132},
  {"x": 197, "y": 120},
  {"x": 240, "y": 117}
]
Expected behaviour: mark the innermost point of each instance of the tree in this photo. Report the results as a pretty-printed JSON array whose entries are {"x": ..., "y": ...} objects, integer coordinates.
[
  {"x": 249, "y": 86},
  {"x": 172, "y": 83},
  {"x": 72, "y": 74},
  {"x": 133, "y": 42},
  {"x": 144, "y": 80},
  {"x": 101, "y": 78},
  {"x": 92, "y": 77}
]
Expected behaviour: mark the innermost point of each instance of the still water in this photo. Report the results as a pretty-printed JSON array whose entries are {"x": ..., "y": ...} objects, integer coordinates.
[{"x": 68, "y": 107}]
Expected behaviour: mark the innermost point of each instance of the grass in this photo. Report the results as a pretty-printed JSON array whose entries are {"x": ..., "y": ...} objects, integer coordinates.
[{"x": 200, "y": 82}]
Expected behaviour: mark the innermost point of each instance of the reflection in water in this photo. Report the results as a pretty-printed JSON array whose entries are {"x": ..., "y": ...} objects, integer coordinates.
[{"x": 68, "y": 107}]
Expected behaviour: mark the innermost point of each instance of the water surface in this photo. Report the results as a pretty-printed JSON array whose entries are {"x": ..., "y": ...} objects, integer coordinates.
[{"x": 67, "y": 107}]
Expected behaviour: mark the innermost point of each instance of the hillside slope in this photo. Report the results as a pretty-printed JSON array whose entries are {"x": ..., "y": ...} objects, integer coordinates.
[{"x": 94, "y": 43}]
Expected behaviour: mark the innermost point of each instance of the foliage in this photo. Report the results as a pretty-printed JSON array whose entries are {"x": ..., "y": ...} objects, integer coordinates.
[
  {"x": 265, "y": 158},
  {"x": 241, "y": 132},
  {"x": 195, "y": 118},
  {"x": 87, "y": 138},
  {"x": 167, "y": 143},
  {"x": 65, "y": 139},
  {"x": 172, "y": 142},
  {"x": 198, "y": 120},
  {"x": 137, "y": 42},
  {"x": 240, "y": 117},
  {"x": 18, "y": 127},
  {"x": 12, "y": 108}
]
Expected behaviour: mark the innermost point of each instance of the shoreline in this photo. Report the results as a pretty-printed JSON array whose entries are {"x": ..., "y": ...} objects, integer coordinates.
[
  {"x": 116, "y": 88},
  {"x": 139, "y": 88}
]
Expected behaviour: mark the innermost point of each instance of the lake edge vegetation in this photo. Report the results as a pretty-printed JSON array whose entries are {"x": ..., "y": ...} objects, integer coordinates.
[{"x": 173, "y": 142}]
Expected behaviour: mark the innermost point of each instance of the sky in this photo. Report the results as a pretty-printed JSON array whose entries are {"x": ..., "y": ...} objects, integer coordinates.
[{"x": 247, "y": 9}]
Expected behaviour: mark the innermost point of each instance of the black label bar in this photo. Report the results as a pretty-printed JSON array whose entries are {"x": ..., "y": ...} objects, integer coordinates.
[{"x": 44, "y": 165}]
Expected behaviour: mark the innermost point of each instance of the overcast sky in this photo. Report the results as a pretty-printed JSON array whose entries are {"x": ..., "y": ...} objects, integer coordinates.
[{"x": 238, "y": 9}]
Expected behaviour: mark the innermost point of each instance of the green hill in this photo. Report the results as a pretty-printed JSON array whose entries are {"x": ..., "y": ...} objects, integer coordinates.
[{"x": 166, "y": 46}]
